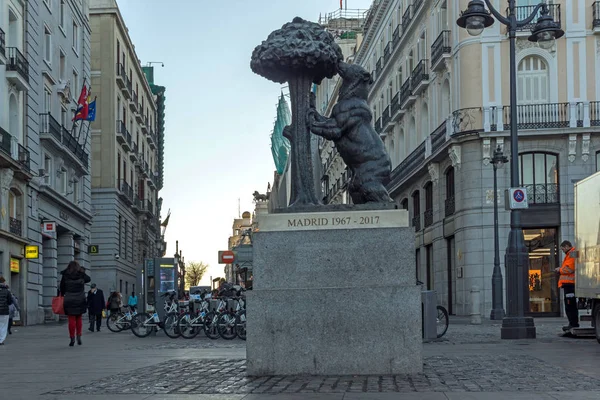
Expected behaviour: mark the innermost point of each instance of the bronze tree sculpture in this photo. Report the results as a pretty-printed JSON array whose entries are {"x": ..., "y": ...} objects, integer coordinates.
[{"x": 300, "y": 53}]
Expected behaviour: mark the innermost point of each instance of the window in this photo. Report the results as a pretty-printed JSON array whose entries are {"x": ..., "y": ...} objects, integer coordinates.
[
  {"x": 428, "y": 204},
  {"x": 532, "y": 81},
  {"x": 404, "y": 204},
  {"x": 47, "y": 169},
  {"x": 429, "y": 266},
  {"x": 126, "y": 253},
  {"x": 75, "y": 85},
  {"x": 63, "y": 116},
  {"x": 61, "y": 14},
  {"x": 75, "y": 37},
  {"x": 47, "y": 100},
  {"x": 399, "y": 81},
  {"x": 539, "y": 175},
  {"x": 416, "y": 210},
  {"x": 62, "y": 67},
  {"x": 119, "y": 235},
  {"x": 450, "y": 202},
  {"x": 47, "y": 46}
]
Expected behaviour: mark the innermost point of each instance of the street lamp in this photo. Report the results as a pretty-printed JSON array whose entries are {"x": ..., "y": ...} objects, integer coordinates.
[
  {"x": 476, "y": 18},
  {"x": 497, "y": 313}
]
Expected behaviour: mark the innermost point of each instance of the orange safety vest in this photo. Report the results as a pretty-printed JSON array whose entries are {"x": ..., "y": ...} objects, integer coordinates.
[{"x": 567, "y": 269}]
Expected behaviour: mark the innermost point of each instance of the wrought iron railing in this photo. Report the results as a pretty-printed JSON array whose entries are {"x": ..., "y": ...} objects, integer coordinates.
[
  {"x": 129, "y": 85},
  {"x": 416, "y": 222},
  {"x": 127, "y": 190},
  {"x": 378, "y": 66},
  {"x": 122, "y": 129},
  {"x": 440, "y": 46},
  {"x": 419, "y": 74},
  {"x": 2, "y": 43},
  {"x": 50, "y": 126},
  {"x": 539, "y": 116},
  {"x": 385, "y": 118},
  {"x": 449, "y": 206},
  {"x": 595, "y": 112},
  {"x": 121, "y": 72},
  {"x": 405, "y": 91},
  {"x": 543, "y": 193},
  {"x": 5, "y": 139},
  {"x": 396, "y": 36},
  {"x": 438, "y": 137},
  {"x": 69, "y": 141},
  {"x": 407, "y": 17},
  {"x": 523, "y": 12},
  {"x": 378, "y": 125},
  {"x": 16, "y": 227},
  {"x": 596, "y": 14},
  {"x": 466, "y": 121},
  {"x": 395, "y": 104},
  {"x": 134, "y": 100},
  {"x": 408, "y": 166},
  {"x": 428, "y": 217},
  {"x": 17, "y": 62},
  {"x": 24, "y": 157},
  {"x": 387, "y": 52},
  {"x": 417, "y": 4},
  {"x": 149, "y": 207}
]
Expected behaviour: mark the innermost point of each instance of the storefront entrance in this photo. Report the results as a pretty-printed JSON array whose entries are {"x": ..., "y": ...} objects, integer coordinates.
[{"x": 543, "y": 280}]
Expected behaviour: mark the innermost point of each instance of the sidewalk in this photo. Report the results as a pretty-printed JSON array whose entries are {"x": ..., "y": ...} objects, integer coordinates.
[{"x": 470, "y": 362}]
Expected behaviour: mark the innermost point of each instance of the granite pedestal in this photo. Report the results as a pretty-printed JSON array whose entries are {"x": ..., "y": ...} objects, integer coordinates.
[{"x": 334, "y": 293}]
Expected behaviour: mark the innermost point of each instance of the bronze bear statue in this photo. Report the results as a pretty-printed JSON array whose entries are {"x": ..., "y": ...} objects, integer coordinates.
[{"x": 354, "y": 137}]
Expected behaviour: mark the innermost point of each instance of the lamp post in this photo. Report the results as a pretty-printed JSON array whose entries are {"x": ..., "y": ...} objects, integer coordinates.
[
  {"x": 497, "y": 313},
  {"x": 475, "y": 19}
]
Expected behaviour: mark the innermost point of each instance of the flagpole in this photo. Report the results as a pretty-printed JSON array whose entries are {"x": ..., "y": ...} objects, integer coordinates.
[{"x": 74, "y": 127}]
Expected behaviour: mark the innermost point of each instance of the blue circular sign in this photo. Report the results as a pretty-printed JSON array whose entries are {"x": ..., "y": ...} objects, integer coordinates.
[{"x": 519, "y": 196}]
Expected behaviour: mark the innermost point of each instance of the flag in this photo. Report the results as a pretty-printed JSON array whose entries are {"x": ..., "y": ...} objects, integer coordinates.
[
  {"x": 82, "y": 105},
  {"x": 92, "y": 111},
  {"x": 166, "y": 221},
  {"x": 341, "y": 4}
]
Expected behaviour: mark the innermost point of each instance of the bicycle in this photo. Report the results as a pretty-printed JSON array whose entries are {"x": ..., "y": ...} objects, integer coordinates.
[
  {"x": 151, "y": 322},
  {"x": 191, "y": 323},
  {"x": 442, "y": 318},
  {"x": 120, "y": 321},
  {"x": 227, "y": 322}
]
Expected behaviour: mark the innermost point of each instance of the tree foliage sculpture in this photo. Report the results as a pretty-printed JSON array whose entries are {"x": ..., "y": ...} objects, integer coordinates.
[{"x": 300, "y": 53}]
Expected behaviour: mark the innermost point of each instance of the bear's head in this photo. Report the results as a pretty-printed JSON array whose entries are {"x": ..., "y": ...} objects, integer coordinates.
[{"x": 355, "y": 81}]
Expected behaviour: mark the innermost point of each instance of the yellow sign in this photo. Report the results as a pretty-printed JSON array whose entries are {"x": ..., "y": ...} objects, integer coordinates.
[
  {"x": 32, "y": 251},
  {"x": 93, "y": 249},
  {"x": 15, "y": 265}
]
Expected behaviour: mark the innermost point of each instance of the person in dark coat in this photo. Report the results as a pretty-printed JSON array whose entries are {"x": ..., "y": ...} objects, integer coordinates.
[
  {"x": 72, "y": 288},
  {"x": 95, "y": 304},
  {"x": 5, "y": 302}
]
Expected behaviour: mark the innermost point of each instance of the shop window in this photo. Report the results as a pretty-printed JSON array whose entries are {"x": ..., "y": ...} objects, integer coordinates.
[{"x": 539, "y": 175}]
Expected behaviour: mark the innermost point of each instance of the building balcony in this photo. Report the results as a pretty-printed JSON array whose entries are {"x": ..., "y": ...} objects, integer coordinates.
[
  {"x": 419, "y": 79},
  {"x": 151, "y": 139},
  {"x": 407, "y": 167},
  {"x": 59, "y": 136},
  {"x": 127, "y": 90},
  {"x": 2, "y": 47},
  {"x": 139, "y": 115},
  {"x": 13, "y": 155},
  {"x": 379, "y": 66},
  {"x": 385, "y": 117},
  {"x": 17, "y": 69},
  {"x": 144, "y": 124},
  {"x": 151, "y": 180},
  {"x": 542, "y": 194},
  {"x": 137, "y": 204},
  {"x": 539, "y": 116},
  {"x": 15, "y": 227},
  {"x": 524, "y": 11},
  {"x": 122, "y": 133},
  {"x": 126, "y": 192},
  {"x": 387, "y": 53},
  {"x": 406, "y": 97},
  {"x": 596, "y": 16},
  {"x": 396, "y": 36},
  {"x": 428, "y": 217},
  {"x": 149, "y": 207},
  {"x": 121, "y": 76},
  {"x": 50, "y": 129},
  {"x": 145, "y": 169},
  {"x": 133, "y": 102},
  {"x": 440, "y": 50},
  {"x": 133, "y": 155},
  {"x": 416, "y": 222},
  {"x": 417, "y": 4},
  {"x": 407, "y": 18},
  {"x": 397, "y": 111},
  {"x": 142, "y": 236},
  {"x": 378, "y": 127},
  {"x": 449, "y": 206}
]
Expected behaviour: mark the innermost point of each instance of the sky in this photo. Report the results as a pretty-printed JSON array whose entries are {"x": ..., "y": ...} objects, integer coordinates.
[{"x": 219, "y": 114}]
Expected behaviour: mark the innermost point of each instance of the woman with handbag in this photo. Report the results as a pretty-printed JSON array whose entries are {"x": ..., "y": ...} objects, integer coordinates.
[{"x": 72, "y": 288}]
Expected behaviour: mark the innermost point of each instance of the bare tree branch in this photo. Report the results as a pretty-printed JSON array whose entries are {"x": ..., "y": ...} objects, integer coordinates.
[{"x": 194, "y": 271}]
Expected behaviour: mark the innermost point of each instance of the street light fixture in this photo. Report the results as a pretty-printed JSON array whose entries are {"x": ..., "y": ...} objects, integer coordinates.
[
  {"x": 497, "y": 312},
  {"x": 475, "y": 18}
]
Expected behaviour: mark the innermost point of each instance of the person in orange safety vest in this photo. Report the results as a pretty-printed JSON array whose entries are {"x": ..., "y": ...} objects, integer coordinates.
[{"x": 567, "y": 282}]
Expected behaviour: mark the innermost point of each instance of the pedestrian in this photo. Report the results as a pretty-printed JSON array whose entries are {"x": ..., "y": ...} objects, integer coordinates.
[
  {"x": 133, "y": 301},
  {"x": 95, "y": 305},
  {"x": 114, "y": 302},
  {"x": 72, "y": 288},
  {"x": 567, "y": 282},
  {"x": 5, "y": 302},
  {"x": 13, "y": 309}
]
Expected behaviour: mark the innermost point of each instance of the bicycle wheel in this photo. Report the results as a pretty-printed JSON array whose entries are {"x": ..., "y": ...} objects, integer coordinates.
[
  {"x": 211, "y": 327},
  {"x": 226, "y": 326},
  {"x": 139, "y": 327},
  {"x": 442, "y": 321},
  {"x": 169, "y": 324},
  {"x": 240, "y": 324},
  {"x": 188, "y": 326},
  {"x": 112, "y": 322}
]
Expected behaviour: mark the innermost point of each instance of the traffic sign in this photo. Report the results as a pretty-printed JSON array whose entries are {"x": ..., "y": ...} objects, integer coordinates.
[
  {"x": 93, "y": 249},
  {"x": 226, "y": 257},
  {"x": 517, "y": 198}
]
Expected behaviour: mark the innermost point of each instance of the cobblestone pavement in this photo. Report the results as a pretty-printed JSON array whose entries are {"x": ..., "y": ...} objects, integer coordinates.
[{"x": 483, "y": 373}]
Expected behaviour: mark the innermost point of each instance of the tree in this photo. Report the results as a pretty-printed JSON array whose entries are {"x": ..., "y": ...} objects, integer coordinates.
[
  {"x": 300, "y": 53},
  {"x": 194, "y": 271}
]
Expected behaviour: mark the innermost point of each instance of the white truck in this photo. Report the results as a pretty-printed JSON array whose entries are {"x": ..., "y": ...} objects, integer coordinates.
[{"x": 587, "y": 244}]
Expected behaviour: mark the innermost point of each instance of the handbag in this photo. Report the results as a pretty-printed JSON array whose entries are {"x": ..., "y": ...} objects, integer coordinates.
[{"x": 58, "y": 305}]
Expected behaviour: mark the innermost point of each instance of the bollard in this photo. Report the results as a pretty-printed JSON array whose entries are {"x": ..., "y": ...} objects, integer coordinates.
[{"x": 475, "y": 306}]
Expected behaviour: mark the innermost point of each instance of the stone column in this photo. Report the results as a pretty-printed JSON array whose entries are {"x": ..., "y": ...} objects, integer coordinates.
[
  {"x": 50, "y": 282},
  {"x": 65, "y": 250},
  {"x": 82, "y": 256}
]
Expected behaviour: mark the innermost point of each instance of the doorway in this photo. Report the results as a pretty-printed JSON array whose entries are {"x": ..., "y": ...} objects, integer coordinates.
[{"x": 542, "y": 245}]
